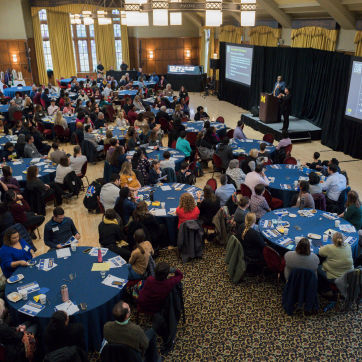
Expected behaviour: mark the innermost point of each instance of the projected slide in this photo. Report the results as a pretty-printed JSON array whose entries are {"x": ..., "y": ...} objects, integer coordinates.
[
  {"x": 354, "y": 101},
  {"x": 239, "y": 61}
]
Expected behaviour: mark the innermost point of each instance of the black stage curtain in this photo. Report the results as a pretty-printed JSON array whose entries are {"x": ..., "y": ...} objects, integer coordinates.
[
  {"x": 192, "y": 83},
  {"x": 319, "y": 85}
]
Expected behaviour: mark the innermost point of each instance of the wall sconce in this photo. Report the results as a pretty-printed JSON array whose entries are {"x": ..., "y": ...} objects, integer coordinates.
[
  {"x": 187, "y": 53},
  {"x": 151, "y": 54},
  {"x": 215, "y": 55},
  {"x": 15, "y": 58}
]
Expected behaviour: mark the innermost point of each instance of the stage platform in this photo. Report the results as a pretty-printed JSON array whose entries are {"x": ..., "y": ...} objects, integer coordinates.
[{"x": 299, "y": 129}]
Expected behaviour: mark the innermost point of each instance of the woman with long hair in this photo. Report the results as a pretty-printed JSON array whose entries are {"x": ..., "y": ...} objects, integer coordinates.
[
  {"x": 68, "y": 109},
  {"x": 125, "y": 204},
  {"x": 141, "y": 164},
  {"x": 131, "y": 138},
  {"x": 117, "y": 159},
  {"x": 353, "y": 212},
  {"x": 59, "y": 120},
  {"x": 209, "y": 206},
  {"x": 305, "y": 199},
  {"x": 8, "y": 179},
  {"x": 121, "y": 120},
  {"x": 128, "y": 177},
  {"x": 187, "y": 209}
]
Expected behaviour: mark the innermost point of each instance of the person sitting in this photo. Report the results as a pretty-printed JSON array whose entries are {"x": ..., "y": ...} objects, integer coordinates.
[
  {"x": 225, "y": 190},
  {"x": 315, "y": 187},
  {"x": 183, "y": 145},
  {"x": 209, "y": 206},
  {"x": 109, "y": 136},
  {"x": 57, "y": 154},
  {"x": 184, "y": 176},
  {"x": 140, "y": 256},
  {"x": 63, "y": 169},
  {"x": 18, "y": 128},
  {"x": 235, "y": 173},
  {"x": 338, "y": 258},
  {"x": 256, "y": 177},
  {"x": 99, "y": 122},
  {"x": 258, "y": 204},
  {"x": 224, "y": 151},
  {"x": 110, "y": 234},
  {"x": 239, "y": 216},
  {"x": 118, "y": 156},
  {"x": 155, "y": 175},
  {"x": 162, "y": 114},
  {"x": 41, "y": 146},
  {"x": 88, "y": 136},
  {"x": 128, "y": 177},
  {"x": 251, "y": 161},
  {"x": 30, "y": 150},
  {"x": 60, "y": 121},
  {"x": 333, "y": 186},
  {"x": 8, "y": 153},
  {"x": 301, "y": 258},
  {"x": 200, "y": 115},
  {"x": 156, "y": 289},
  {"x": 21, "y": 212},
  {"x": 238, "y": 132},
  {"x": 138, "y": 104},
  {"x": 52, "y": 109},
  {"x": 168, "y": 91},
  {"x": 353, "y": 212},
  {"x": 167, "y": 162},
  {"x": 8, "y": 179},
  {"x": 316, "y": 161},
  {"x": 121, "y": 120},
  {"x": 305, "y": 199},
  {"x": 15, "y": 252},
  {"x": 123, "y": 331},
  {"x": 263, "y": 155},
  {"x": 77, "y": 160},
  {"x": 132, "y": 139},
  {"x": 285, "y": 141},
  {"x": 132, "y": 114},
  {"x": 68, "y": 109},
  {"x": 61, "y": 333},
  {"x": 110, "y": 192},
  {"x": 20, "y": 145},
  {"x": 59, "y": 229},
  {"x": 125, "y": 204},
  {"x": 187, "y": 209}
]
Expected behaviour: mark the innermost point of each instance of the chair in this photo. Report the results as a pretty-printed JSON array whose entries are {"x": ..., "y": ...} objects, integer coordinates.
[
  {"x": 217, "y": 164},
  {"x": 269, "y": 162},
  {"x": 140, "y": 177},
  {"x": 23, "y": 233},
  {"x": 119, "y": 353},
  {"x": 273, "y": 260},
  {"x": 212, "y": 183},
  {"x": 17, "y": 116},
  {"x": 61, "y": 133},
  {"x": 268, "y": 137},
  {"x": 100, "y": 205},
  {"x": 290, "y": 161},
  {"x": 89, "y": 150},
  {"x": 83, "y": 172},
  {"x": 288, "y": 150},
  {"x": 171, "y": 174},
  {"x": 47, "y": 132},
  {"x": 230, "y": 133},
  {"x": 220, "y": 119},
  {"x": 342, "y": 200},
  {"x": 173, "y": 144},
  {"x": 273, "y": 202},
  {"x": 107, "y": 171},
  {"x": 320, "y": 201},
  {"x": 165, "y": 126},
  {"x": 191, "y": 137},
  {"x": 241, "y": 158},
  {"x": 245, "y": 190}
]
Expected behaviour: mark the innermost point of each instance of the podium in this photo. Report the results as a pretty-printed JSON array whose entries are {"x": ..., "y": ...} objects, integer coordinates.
[{"x": 269, "y": 108}]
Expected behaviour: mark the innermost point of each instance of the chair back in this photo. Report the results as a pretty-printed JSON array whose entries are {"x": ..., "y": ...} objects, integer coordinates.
[
  {"x": 217, "y": 161},
  {"x": 245, "y": 190},
  {"x": 191, "y": 137},
  {"x": 140, "y": 177},
  {"x": 273, "y": 260},
  {"x": 288, "y": 150},
  {"x": 212, "y": 183},
  {"x": 268, "y": 197},
  {"x": 59, "y": 131},
  {"x": 89, "y": 150},
  {"x": 220, "y": 119},
  {"x": 119, "y": 353},
  {"x": 290, "y": 161},
  {"x": 342, "y": 199},
  {"x": 83, "y": 170},
  {"x": 17, "y": 115},
  {"x": 241, "y": 158},
  {"x": 42, "y": 102},
  {"x": 230, "y": 133},
  {"x": 320, "y": 201},
  {"x": 107, "y": 171},
  {"x": 173, "y": 145},
  {"x": 171, "y": 174},
  {"x": 164, "y": 124},
  {"x": 268, "y": 137},
  {"x": 100, "y": 205}
]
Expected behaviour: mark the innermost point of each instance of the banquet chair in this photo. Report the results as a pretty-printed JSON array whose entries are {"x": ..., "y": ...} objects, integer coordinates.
[
  {"x": 268, "y": 137},
  {"x": 288, "y": 150},
  {"x": 47, "y": 132},
  {"x": 164, "y": 124},
  {"x": 173, "y": 145},
  {"x": 320, "y": 201},
  {"x": 139, "y": 177},
  {"x": 220, "y": 119},
  {"x": 212, "y": 183},
  {"x": 171, "y": 174},
  {"x": 217, "y": 164},
  {"x": 17, "y": 116},
  {"x": 100, "y": 205},
  {"x": 273, "y": 202},
  {"x": 230, "y": 133},
  {"x": 290, "y": 161},
  {"x": 241, "y": 158},
  {"x": 273, "y": 260},
  {"x": 191, "y": 137},
  {"x": 120, "y": 353},
  {"x": 89, "y": 150},
  {"x": 83, "y": 172},
  {"x": 61, "y": 133},
  {"x": 245, "y": 190},
  {"x": 107, "y": 171}
]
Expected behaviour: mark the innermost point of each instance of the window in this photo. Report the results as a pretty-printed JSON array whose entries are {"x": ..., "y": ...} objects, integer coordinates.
[
  {"x": 117, "y": 38},
  {"x": 84, "y": 47},
  {"x": 45, "y": 37}
]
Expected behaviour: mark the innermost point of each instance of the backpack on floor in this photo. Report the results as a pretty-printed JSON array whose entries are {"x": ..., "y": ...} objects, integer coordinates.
[
  {"x": 73, "y": 183},
  {"x": 90, "y": 198}
]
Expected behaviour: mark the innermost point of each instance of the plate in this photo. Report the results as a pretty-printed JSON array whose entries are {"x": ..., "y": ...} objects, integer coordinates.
[
  {"x": 15, "y": 278},
  {"x": 292, "y": 215},
  {"x": 314, "y": 236},
  {"x": 14, "y": 297}
]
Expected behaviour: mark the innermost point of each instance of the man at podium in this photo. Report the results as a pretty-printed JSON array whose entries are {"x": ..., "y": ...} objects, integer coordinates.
[
  {"x": 279, "y": 86},
  {"x": 285, "y": 107}
]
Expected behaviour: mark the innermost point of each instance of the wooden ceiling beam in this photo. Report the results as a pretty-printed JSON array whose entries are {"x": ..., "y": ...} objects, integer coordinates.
[
  {"x": 339, "y": 13},
  {"x": 271, "y": 7}
]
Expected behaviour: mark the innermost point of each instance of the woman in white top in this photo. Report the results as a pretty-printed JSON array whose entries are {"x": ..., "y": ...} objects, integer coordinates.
[
  {"x": 59, "y": 120},
  {"x": 138, "y": 104},
  {"x": 235, "y": 172},
  {"x": 62, "y": 170},
  {"x": 77, "y": 160}
]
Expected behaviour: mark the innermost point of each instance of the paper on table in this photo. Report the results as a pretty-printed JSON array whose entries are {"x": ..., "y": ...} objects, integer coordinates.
[
  {"x": 30, "y": 287},
  {"x": 111, "y": 278},
  {"x": 116, "y": 262},
  {"x": 48, "y": 170},
  {"x": 63, "y": 253},
  {"x": 40, "y": 164},
  {"x": 35, "y": 160},
  {"x": 101, "y": 266},
  {"x": 165, "y": 188},
  {"x": 94, "y": 251},
  {"x": 17, "y": 163},
  {"x": 31, "y": 308},
  {"x": 18, "y": 178},
  {"x": 159, "y": 212},
  {"x": 68, "y": 307}
]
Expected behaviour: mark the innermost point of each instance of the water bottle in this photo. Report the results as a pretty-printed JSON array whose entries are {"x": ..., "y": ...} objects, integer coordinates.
[
  {"x": 151, "y": 195},
  {"x": 279, "y": 220},
  {"x": 100, "y": 260},
  {"x": 64, "y": 292}
]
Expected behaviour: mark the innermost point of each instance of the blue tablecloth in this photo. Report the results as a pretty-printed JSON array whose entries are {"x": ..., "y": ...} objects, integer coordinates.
[
  {"x": 48, "y": 122},
  {"x": 131, "y": 93},
  {"x": 118, "y": 133},
  {"x": 317, "y": 224},
  {"x": 177, "y": 156},
  {"x": 10, "y": 92},
  {"x": 243, "y": 147},
  {"x": 149, "y": 101},
  {"x": 171, "y": 198},
  {"x": 136, "y": 83},
  {"x": 197, "y": 126},
  {"x": 85, "y": 288},
  {"x": 4, "y": 108},
  {"x": 66, "y": 81},
  {"x": 285, "y": 176},
  {"x": 21, "y": 165}
]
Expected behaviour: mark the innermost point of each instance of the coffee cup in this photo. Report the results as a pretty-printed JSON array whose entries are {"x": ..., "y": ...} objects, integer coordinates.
[
  {"x": 73, "y": 246},
  {"x": 163, "y": 205},
  {"x": 325, "y": 238},
  {"x": 23, "y": 294},
  {"x": 42, "y": 299},
  {"x": 337, "y": 223},
  {"x": 286, "y": 230}
]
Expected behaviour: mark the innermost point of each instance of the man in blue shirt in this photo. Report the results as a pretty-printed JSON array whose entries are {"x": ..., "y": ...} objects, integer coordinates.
[
  {"x": 154, "y": 78},
  {"x": 333, "y": 186},
  {"x": 238, "y": 132},
  {"x": 225, "y": 190},
  {"x": 59, "y": 229},
  {"x": 279, "y": 86}
]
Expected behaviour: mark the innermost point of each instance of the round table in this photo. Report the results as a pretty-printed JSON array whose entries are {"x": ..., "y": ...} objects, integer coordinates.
[
  {"x": 124, "y": 93},
  {"x": 21, "y": 165},
  {"x": 301, "y": 226},
  {"x": 197, "y": 126},
  {"x": 136, "y": 83},
  {"x": 119, "y": 133},
  {"x": 151, "y": 100},
  {"x": 282, "y": 178},
  {"x": 66, "y": 81},
  {"x": 154, "y": 153},
  {"x": 4, "y": 108},
  {"x": 8, "y": 138},
  {"x": 10, "y": 92},
  {"x": 86, "y": 287},
  {"x": 169, "y": 194},
  {"x": 243, "y": 147},
  {"x": 48, "y": 122}
]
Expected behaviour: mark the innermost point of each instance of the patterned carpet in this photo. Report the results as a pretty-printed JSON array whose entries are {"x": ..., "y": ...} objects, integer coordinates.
[{"x": 227, "y": 322}]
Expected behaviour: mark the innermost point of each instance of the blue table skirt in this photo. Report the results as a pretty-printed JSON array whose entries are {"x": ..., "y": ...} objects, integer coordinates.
[
  {"x": 317, "y": 224},
  {"x": 197, "y": 126},
  {"x": 136, "y": 83},
  {"x": 5, "y": 139},
  {"x": 130, "y": 93},
  {"x": 285, "y": 175},
  {"x": 243, "y": 147},
  {"x": 71, "y": 121},
  {"x": 66, "y": 81},
  {"x": 18, "y": 170},
  {"x": 85, "y": 288},
  {"x": 10, "y": 92},
  {"x": 4, "y": 108},
  {"x": 171, "y": 198},
  {"x": 150, "y": 101}
]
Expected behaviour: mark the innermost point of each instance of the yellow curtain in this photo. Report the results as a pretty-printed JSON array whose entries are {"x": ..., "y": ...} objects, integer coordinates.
[
  {"x": 231, "y": 34},
  {"x": 314, "y": 37},
  {"x": 42, "y": 72},
  {"x": 264, "y": 36},
  {"x": 125, "y": 46},
  {"x": 106, "y": 50},
  {"x": 61, "y": 45},
  {"x": 358, "y": 42}
]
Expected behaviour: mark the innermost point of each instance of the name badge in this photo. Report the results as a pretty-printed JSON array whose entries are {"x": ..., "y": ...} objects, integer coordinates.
[
  {"x": 129, "y": 179},
  {"x": 26, "y": 248},
  {"x": 55, "y": 229}
]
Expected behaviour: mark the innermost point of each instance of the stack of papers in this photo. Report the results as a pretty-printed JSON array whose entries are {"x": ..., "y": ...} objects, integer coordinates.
[
  {"x": 31, "y": 308},
  {"x": 68, "y": 307},
  {"x": 70, "y": 241},
  {"x": 277, "y": 167},
  {"x": 101, "y": 266},
  {"x": 330, "y": 216},
  {"x": 349, "y": 240},
  {"x": 267, "y": 224},
  {"x": 285, "y": 187},
  {"x": 159, "y": 212},
  {"x": 166, "y": 188},
  {"x": 63, "y": 253},
  {"x": 281, "y": 212},
  {"x": 285, "y": 241},
  {"x": 94, "y": 251},
  {"x": 116, "y": 262},
  {"x": 111, "y": 278},
  {"x": 46, "y": 264},
  {"x": 348, "y": 228},
  {"x": 30, "y": 287}
]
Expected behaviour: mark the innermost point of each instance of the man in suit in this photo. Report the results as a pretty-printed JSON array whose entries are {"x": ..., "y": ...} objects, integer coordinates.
[
  {"x": 279, "y": 86},
  {"x": 285, "y": 107}
]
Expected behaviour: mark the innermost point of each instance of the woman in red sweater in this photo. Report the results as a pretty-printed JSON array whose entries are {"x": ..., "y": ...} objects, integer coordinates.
[
  {"x": 157, "y": 288},
  {"x": 187, "y": 209}
]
